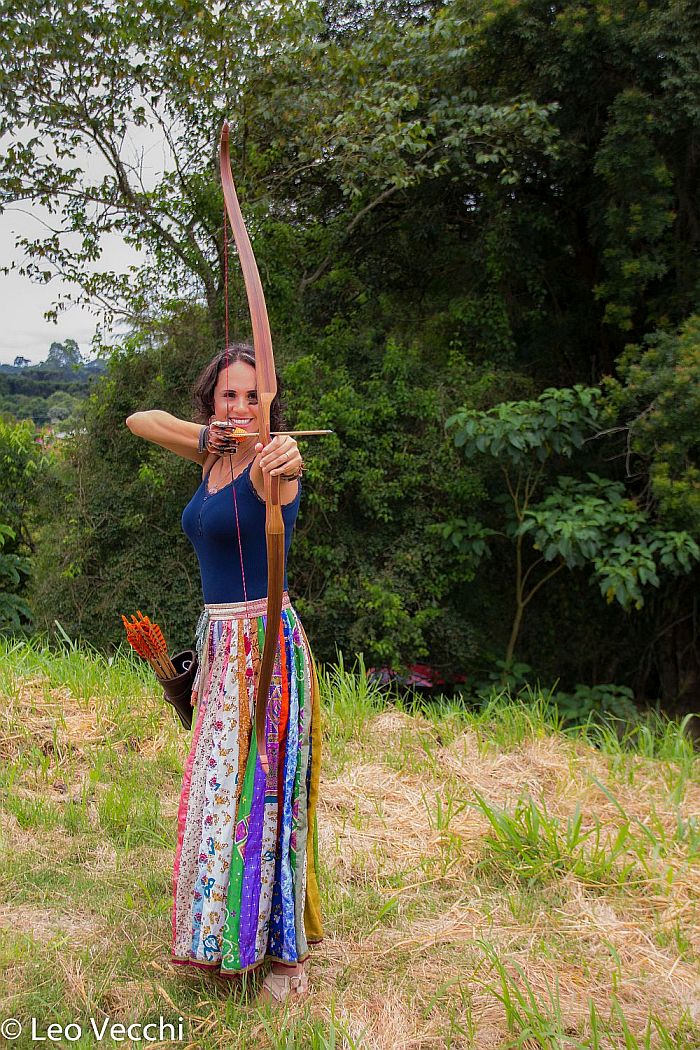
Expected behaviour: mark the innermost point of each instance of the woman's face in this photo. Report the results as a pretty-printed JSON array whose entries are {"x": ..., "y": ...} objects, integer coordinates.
[{"x": 235, "y": 396}]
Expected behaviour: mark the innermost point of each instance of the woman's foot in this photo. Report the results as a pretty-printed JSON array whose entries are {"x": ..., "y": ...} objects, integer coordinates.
[{"x": 283, "y": 981}]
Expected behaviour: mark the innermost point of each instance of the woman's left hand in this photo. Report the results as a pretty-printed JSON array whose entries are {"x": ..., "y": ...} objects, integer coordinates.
[{"x": 280, "y": 456}]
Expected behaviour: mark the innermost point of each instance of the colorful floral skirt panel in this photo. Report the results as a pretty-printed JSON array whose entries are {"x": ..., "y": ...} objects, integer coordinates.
[{"x": 245, "y": 883}]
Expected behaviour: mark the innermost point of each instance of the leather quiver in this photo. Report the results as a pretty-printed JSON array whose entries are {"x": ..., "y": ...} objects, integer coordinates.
[{"x": 178, "y": 690}]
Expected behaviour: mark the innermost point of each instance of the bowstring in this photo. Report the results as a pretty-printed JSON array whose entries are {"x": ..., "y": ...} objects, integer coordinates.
[{"x": 230, "y": 458}]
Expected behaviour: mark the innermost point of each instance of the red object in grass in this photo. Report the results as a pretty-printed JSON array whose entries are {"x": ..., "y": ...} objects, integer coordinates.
[{"x": 417, "y": 676}]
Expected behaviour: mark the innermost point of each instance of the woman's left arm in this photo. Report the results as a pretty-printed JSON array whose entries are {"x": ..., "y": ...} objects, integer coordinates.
[{"x": 280, "y": 457}]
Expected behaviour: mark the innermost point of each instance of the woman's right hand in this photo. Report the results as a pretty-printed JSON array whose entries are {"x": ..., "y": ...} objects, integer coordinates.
[{"x": 218, "y": 438}]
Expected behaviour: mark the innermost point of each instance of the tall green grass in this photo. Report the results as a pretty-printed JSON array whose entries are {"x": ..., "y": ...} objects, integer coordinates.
[{"x": 123, "y": 678}]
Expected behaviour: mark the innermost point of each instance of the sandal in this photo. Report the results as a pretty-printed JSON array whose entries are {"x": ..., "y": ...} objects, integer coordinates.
[{"x": 279, "y": 986}]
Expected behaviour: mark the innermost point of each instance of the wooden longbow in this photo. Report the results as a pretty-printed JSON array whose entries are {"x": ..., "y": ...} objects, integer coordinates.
[{"x": 266, "y": 384}]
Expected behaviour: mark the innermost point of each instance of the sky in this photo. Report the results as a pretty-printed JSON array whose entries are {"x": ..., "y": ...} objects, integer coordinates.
[{"x": 24, "y": 330}]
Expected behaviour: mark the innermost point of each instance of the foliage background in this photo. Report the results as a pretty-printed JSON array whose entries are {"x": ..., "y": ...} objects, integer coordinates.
[{"x": 453, "y": 206}]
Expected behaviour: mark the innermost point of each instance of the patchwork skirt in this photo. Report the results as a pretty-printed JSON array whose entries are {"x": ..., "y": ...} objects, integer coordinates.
[{"x": 245, "y": 883}]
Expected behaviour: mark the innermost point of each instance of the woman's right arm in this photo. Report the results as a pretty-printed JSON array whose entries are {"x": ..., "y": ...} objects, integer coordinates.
[{"x": 177, "y": 435}]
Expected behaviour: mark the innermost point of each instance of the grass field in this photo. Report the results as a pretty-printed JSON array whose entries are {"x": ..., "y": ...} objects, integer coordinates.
[{"x": 488, "y": 880}]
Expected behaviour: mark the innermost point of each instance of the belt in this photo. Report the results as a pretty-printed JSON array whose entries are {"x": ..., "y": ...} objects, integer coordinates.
[{"x": 240, "y": 610}]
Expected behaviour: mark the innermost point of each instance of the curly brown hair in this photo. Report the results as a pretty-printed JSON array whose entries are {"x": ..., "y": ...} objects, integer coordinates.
[{"x": 203, "y": 391}]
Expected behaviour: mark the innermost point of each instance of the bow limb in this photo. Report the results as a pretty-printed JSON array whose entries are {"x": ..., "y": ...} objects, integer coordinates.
[{"x": 266, "y": 383}]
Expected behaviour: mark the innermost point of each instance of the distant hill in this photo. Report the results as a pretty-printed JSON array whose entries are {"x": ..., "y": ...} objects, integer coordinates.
[{"x": 51, "y": 391}]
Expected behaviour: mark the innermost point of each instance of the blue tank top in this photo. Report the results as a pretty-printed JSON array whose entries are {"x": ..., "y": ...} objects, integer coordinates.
[{"x": 209, "y": 522}]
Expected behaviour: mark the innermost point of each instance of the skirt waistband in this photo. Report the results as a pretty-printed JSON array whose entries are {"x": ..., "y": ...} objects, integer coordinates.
[{"x": 241, "y": 610}]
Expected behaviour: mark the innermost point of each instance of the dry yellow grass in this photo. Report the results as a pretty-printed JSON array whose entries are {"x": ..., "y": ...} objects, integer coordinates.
[{"x": 394, "y": 817}]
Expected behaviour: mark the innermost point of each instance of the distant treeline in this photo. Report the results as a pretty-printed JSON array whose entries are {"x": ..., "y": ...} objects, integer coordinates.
[{"x": 50, "y": 391}]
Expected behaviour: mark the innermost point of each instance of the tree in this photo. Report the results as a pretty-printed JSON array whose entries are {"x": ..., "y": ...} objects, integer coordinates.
[
  {"x": 62, "y": 405},
  {"x": 654, "y": 407},
  {"x": 14, "y": 569},
  {"x": 20, "y": 480},
  {"x": 393, "y": 100},
  {"x": 620, "y": 203},
  {"x": 578, "y": 523},
  {"x": 653, "y": 412},
  {"x": 64, "y": 355},
  {"x": 21, "y": 362}
]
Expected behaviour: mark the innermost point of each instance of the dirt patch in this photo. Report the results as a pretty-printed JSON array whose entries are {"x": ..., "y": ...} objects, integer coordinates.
[{"x": 45, "y": 926}]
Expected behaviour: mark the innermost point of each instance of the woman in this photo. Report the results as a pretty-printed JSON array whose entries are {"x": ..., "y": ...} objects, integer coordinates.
[{"x": 244, "y": 880}]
